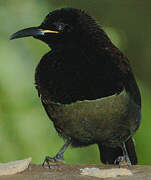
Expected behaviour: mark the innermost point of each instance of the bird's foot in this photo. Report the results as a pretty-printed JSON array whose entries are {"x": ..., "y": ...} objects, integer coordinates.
[
  {"x": 51, "y": 161},
  {"x": 122, "y": 161},
  {"x": 58, "y": 159}
]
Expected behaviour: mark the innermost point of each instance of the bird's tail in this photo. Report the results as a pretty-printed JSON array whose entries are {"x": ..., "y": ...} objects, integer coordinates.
[{"x": 108, "y": 155}]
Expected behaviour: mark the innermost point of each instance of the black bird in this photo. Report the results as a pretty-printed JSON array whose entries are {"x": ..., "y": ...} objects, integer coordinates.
[{"x": 86, "y": 86}]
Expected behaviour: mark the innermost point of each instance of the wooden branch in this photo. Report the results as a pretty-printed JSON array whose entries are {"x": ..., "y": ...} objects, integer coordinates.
[{"x": 75, "y": 172}]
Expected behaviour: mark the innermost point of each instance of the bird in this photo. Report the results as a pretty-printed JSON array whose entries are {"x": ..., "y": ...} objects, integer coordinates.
[{"x": 86, "y": 86}]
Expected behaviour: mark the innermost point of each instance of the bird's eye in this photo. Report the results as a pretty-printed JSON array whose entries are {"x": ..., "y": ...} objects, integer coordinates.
[
  {"x": 59, "y": 26},
  {"x": 63, "y": 27}
]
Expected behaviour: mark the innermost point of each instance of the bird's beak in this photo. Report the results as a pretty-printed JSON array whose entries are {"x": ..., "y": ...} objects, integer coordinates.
[{"x": 33, "y": 31}]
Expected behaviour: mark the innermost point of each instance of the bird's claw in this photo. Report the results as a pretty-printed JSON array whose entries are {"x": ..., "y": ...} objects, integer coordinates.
[
  {"x": 48, "y": 160},
  {"x": 121, "y": 161},
  {"x": 52, "y": 161}
]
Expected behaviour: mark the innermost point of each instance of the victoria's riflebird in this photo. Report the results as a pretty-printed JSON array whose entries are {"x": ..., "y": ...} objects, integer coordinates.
[{"x": 86, "y": 86}]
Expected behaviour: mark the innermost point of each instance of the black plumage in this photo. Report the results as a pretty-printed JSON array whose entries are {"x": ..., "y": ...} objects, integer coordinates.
[{"x": 86, "y": 85}]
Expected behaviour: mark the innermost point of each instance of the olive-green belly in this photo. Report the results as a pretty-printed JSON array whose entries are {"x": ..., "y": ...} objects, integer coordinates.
[{"x": 108, "y": 120}]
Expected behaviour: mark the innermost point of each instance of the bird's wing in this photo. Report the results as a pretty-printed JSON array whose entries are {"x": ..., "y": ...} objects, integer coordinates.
[{"x": 65, "y": 78}]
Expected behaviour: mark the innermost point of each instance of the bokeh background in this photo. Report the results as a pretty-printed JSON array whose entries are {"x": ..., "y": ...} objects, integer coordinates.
[{"x": 25, "y": 129}]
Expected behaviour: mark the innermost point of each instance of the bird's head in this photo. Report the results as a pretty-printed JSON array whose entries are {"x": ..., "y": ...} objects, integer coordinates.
[{"x": 61, "y": 27}]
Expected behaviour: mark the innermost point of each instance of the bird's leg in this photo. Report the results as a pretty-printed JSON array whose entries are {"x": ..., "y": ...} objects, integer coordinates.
[
  {"x": 123, "y": 160},
  {"x": 125, "y": 153},
  {"x": 58, "y": 157}
]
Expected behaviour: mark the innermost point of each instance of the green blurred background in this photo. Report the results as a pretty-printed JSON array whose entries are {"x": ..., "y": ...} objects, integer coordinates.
[{"x": 25, "y": 129}]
